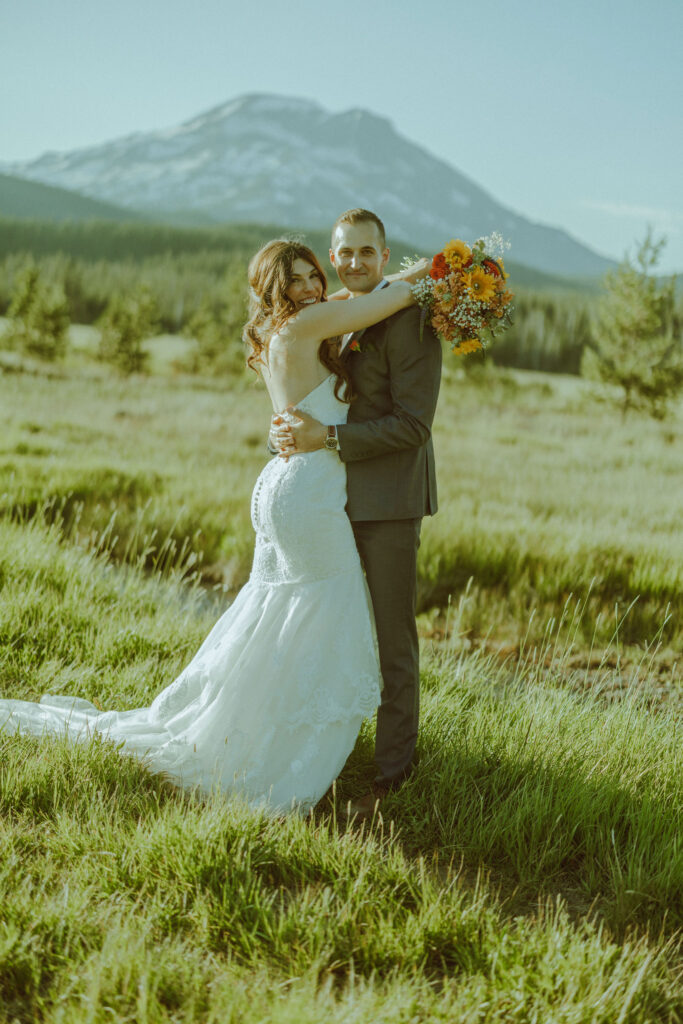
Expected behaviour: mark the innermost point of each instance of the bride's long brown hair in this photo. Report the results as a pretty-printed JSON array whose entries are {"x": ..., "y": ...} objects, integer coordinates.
[{"x": 270, "y": 275}]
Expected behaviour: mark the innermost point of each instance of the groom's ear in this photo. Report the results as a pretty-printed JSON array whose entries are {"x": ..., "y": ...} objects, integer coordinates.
[
  {"x": 332, "y": 256},
  {"x": 385, "y": 256}
]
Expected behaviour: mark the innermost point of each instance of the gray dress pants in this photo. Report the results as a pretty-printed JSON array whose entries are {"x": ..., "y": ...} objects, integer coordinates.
[{"x": 388, "y": 551}]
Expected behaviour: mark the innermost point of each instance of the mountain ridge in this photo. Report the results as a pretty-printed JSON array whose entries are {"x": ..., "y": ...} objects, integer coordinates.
[
  {"x": 285, "y": 160},
  {"x": 25, "y": 199}
]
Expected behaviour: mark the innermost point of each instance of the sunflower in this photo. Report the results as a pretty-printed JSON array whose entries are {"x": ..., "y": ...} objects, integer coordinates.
[
  {"x": 457, "y": 253},
  {"x": 481, "y": 285},
  {"x": 467, "y": 345}
]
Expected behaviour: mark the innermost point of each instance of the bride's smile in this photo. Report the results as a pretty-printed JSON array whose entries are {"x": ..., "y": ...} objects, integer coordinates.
[{"x": 305, "y": 287}]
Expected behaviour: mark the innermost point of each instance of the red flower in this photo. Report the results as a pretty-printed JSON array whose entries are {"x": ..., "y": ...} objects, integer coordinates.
[
  {"x": 439, "y": 267},
  {"x": 354, "y": 345},
  {"x": 492, "y": 267}
]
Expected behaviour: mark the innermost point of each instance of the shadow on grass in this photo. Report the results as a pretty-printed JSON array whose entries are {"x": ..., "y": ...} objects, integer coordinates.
[{"x": 531, "y": 830}]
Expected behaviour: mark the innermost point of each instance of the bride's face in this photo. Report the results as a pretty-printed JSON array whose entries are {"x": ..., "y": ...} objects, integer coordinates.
[{"x": 305, "y": 288}]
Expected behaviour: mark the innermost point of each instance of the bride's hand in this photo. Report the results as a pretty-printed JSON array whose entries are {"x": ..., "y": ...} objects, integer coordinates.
[{"x": 412, "y": 274}]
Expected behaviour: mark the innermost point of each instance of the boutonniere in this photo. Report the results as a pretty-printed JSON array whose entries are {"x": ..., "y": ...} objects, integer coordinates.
[{"x": 357, "y": 344}]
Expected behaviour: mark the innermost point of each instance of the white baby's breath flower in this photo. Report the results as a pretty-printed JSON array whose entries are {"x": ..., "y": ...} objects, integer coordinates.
[
  {"x": 494, "y": 244},
  {"x": 422, "y": 290}
]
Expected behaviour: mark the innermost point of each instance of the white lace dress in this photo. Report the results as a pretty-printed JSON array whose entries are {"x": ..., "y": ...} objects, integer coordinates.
[{"x": 272, "y": 702}]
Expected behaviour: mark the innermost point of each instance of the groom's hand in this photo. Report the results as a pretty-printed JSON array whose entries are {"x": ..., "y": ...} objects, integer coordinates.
[{"x": 299, "y": 433}]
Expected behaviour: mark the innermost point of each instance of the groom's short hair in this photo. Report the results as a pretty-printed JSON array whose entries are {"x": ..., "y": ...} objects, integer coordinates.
[{"x": 357, "y": 216}]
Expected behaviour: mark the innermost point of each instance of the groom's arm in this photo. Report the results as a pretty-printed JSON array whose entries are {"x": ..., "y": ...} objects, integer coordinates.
[{"x": 415, "y": 376}]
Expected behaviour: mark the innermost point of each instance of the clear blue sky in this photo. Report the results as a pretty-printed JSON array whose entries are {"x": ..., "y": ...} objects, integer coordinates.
[{"x": 569, "y": 114}]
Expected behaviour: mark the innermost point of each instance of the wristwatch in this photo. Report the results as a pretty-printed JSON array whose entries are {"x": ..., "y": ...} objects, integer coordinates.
[{"x": 332, "y": 441}]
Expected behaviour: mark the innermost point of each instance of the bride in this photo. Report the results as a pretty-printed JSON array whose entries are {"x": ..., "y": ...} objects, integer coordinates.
[{"x": 272, "y": 702}]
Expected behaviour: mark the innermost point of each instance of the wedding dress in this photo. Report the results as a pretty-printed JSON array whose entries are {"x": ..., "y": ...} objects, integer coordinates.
[{"x": 271, "y": 704}]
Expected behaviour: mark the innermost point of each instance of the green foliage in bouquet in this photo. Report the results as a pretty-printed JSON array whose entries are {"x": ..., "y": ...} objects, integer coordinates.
[
  {"x": 637, "y": 335},
  {"x": 126, "y": 323},
  {"x": 39, "y": 317}
]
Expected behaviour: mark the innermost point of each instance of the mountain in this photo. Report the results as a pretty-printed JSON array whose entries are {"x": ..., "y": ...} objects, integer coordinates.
[
  {"x": 274, "y": 159},
  {"x": 22, "y": 199}
]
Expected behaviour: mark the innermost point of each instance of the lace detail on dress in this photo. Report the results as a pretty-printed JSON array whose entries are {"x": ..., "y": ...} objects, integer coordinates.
[{"x": 302, "y": 531}]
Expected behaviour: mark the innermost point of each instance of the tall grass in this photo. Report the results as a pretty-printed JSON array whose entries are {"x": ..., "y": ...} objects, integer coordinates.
[
  {"x": 531, "y": 869},
  {"x": 544, "y": 492}
]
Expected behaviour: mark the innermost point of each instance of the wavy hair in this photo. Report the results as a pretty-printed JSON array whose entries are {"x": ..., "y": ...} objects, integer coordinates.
[{"x": 270, "y": 275}]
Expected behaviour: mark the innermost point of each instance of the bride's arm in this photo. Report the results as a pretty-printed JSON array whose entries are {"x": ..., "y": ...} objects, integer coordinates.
[
  {"x": 406, "y": 274},
  {"x": 329, "y": 319}
]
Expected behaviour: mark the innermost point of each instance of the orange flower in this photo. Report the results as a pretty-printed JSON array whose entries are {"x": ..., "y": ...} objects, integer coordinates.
[
  {"x": 457, "y": 285},
  {"x": 443, "y": 326}
]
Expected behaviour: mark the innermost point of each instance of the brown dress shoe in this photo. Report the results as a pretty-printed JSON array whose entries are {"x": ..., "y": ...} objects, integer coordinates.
[{"x": 368, "y": 805}]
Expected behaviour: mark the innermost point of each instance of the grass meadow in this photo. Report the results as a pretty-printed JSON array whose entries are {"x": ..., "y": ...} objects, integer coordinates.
[{"x": 531, "y": 870}]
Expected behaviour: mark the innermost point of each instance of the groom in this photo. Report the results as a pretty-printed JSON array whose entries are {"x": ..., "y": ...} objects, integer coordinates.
[{"x": 387, "y": 449}]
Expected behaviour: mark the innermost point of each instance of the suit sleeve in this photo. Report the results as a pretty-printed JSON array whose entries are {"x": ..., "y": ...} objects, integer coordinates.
[{"x": 415, "y": 376}]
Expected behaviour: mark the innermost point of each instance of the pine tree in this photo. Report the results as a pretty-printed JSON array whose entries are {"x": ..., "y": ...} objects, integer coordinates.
[
  {"x": 216, "y": 328},
  {"x": 127, "y": 321},
  {"x": 636, "y": 338},
  {"x": 39, "y": 317}
]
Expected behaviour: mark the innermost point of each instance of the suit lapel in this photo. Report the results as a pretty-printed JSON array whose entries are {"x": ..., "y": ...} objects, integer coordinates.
[{"x": 357, "y": 335}]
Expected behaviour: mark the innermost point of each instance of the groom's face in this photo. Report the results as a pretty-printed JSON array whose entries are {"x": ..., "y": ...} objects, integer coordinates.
[{"x": 358, "y": 256}]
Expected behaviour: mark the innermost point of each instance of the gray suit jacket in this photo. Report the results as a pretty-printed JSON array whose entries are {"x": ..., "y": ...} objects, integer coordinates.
[{"x": 386, "y": 443}]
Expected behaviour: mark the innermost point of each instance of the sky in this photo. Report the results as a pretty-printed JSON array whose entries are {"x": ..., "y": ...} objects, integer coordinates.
[{"x": 568, "y": 114}]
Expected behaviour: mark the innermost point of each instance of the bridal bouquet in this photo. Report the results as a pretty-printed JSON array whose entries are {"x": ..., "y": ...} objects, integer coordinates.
[{"x": 465, "y": 296}]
